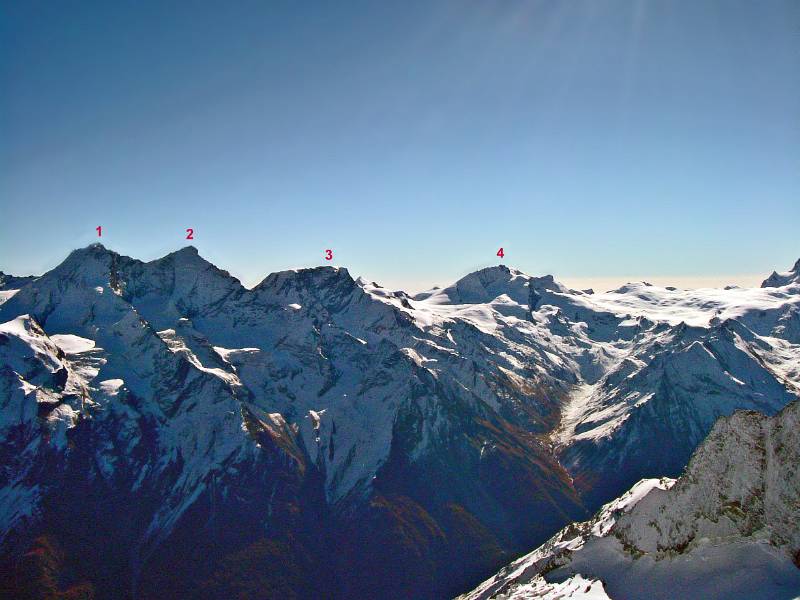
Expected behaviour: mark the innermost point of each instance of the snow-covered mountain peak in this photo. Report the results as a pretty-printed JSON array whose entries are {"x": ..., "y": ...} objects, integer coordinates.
[
  {"x": 186, "y": 251},
  {"x": 93, "y": 248},
  {"x": 90, "y": 257},
  {"x": 188, "y": 257},
  {"x": 91, "y": 264},
  {"x": 482, "y": 287},
  {"x": 84, "y": 290},
  {"x": 183, "y": 280},
  {"x": 783, "y": 279},
  {"x": 306, "y": 276},
  {"x": 326, "y": 285}
]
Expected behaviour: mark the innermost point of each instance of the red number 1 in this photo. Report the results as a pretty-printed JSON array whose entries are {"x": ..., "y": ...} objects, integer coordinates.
[
  {"x": 500, "y": 253},
  {"x": 190, "y": 234},
  {"x": 99, "y": 230},
  {"x": 328, "y": 254}
]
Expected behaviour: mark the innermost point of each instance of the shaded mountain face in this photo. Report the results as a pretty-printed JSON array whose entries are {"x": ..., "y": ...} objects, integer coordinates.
[
  {"x": 727, "y": 528},
  {"x": 165, "y": 430},
  {"x": 12, "y": 282}
]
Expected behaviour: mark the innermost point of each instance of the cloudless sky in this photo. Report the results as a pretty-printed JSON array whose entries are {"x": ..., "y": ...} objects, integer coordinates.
[{"x": 589, "y": 138}]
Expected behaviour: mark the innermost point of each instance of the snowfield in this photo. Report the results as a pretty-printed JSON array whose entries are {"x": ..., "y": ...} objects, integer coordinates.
[{"x": 72, "y": 344}]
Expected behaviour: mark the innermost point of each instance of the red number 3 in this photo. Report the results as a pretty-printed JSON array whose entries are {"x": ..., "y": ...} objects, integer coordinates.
[
  {"x": 190, "y": 234},
  {"x": 328, "y": 254},
  {"x": 500, "y": 253}
]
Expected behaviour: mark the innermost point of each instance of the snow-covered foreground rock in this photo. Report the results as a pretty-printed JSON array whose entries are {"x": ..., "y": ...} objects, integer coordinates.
[
  {"x": 729, "y": 527},
  {"x": 178, "y": 431}
]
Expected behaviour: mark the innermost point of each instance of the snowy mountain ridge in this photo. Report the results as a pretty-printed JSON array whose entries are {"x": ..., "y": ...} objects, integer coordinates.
[
  {"x": 494, "y": 410},
  {"x": 727, "y": 528},
  {"x": 783, "y": 279}
]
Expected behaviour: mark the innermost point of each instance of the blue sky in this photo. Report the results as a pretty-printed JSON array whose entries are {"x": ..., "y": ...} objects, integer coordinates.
[{"x": 594, "y": 139}]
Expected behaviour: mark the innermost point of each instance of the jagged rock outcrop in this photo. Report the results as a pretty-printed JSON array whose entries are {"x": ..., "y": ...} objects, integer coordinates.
[{"x": 727, "y": 528}]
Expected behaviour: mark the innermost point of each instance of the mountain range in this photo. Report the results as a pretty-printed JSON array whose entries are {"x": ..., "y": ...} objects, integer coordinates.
[{"x": 167, "y": 432}]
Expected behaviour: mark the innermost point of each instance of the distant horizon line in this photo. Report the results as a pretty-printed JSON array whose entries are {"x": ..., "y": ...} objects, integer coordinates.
[{"x": 597, "y": 283}]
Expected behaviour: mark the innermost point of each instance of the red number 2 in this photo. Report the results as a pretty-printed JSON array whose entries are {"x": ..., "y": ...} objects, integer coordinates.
[
  {"x": 190, "y": 234},
  {"x": 500, "y": 253},
  {"x": 99, "y": 230},
  {"x": 328, "y": 254}
]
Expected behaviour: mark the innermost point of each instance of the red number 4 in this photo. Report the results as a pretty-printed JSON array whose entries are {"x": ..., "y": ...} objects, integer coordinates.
[
  {"x": 500, "y": 253},
  {"x": 190, "y": 234},
  {"x": 328, "y": 254}
]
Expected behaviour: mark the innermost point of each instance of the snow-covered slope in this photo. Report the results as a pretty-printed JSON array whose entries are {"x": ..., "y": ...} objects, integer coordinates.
[
  {"x": 727, "y": 528},
  {"x": 483, "y": 415}
]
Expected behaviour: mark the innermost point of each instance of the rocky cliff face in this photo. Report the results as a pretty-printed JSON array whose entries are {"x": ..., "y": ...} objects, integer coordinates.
[{"x": 727, "y": 528}]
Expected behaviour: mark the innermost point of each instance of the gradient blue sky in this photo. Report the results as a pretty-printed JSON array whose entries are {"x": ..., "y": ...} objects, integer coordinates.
[{"x": 592, "y": 139}]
